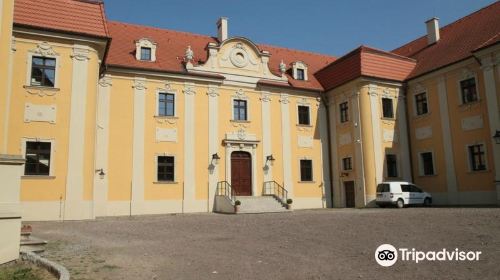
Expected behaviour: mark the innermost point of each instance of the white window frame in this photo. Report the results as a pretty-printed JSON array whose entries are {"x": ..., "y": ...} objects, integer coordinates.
[
  {"x": 157, "y": 109},
  {"x": 312, "y": 170},
  {"x": 415, "y": 111},
  {"x": 348, "y": 112},
  {"x": 299, "y": 65},
  {"x": 342, "y": 163},
  {"x": 52, "y": 142},
  {"x": 421, "y": 163},
  {"x": 248, "y": 108},
  {"x": 469, "y": 166},
  {"x": 310, "y": 114},
  {"x": 156, "y": 168},
  {"x": 382, "y": 107},
  {"x": 464, "y": 77},
  {"x": 30, "y": 65},
  {"x": 145, "y": 43}
]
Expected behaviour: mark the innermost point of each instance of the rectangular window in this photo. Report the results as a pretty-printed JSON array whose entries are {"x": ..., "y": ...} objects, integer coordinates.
[
  {"x": 468, "y": 89},
  {"x": 427, "y": 164},
  {"x": 166, "y": 104},
  {"x": 145, "y": 53},
  {"x": 477, "y": 157},
  {"x": 240, "y": 110},
  {"x": 43, "y": 71},
  {"x": 421, "y": 103},
  {"x": 347, "y": 163},
  {"x": 306, "y": 174},
  {"x": 388, "y": 108},
  {"x": 304, "y": 115},
  {"x": 392, "y": 165},
  {"x": 165, "y": 169},
  {"x": 300, "y": 74},
  {"x": 37, "y": 158},
  {"x": 344, "y": 112}
]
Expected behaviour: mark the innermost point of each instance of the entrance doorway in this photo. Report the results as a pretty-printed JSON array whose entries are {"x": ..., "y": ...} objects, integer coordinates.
[
  {"x": 241, "y": 173},
  {"x": 350, "y": 198}
]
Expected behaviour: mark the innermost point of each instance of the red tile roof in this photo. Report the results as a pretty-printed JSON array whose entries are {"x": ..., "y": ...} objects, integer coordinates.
[
  {"x": 171, "y": 46},
  {"x": 458, "y": 40},
  {"x": 365, "y": 62},
  {"x": 76, "y": 16}
]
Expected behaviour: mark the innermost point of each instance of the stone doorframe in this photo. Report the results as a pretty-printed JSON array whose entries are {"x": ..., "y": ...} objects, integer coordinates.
[{"x": 249, "y": 146}]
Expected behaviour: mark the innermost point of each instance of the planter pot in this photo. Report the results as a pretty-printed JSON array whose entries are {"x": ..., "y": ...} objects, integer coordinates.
[
  {"x": 289, "y": 206},
  {"x": 236, "y": 209}
]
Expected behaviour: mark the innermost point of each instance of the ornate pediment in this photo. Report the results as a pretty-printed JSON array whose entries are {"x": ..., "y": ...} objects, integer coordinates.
[{"x": 239, "y": 60}]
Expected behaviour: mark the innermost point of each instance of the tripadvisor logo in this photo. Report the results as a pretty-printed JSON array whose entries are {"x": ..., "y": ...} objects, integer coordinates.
[{"x": 387, "y": 255}]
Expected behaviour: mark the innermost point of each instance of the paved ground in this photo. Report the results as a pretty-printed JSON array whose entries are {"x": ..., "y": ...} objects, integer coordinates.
[{"x": 319, "y": 244}]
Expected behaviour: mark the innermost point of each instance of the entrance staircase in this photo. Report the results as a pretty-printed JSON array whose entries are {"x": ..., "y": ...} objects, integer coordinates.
[
  {"x": 30, "y": 243},
  {"x": 274, "y": 199},
  {"x": 260, "y": 204}
]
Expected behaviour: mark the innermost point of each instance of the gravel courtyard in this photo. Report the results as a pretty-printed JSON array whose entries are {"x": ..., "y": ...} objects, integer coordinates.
[{"x": 315, "y": 244}]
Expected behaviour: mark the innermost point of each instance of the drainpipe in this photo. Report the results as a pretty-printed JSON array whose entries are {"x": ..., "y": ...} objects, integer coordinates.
[{"x": 324, "y": 99}]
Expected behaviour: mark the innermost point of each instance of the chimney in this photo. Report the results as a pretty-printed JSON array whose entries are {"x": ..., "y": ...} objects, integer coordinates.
[
  {"x": 432, "y": 30},
  {"x": 222, "y": 29}
]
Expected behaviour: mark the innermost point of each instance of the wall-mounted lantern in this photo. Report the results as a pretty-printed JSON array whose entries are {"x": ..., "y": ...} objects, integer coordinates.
[
  {"x": 101, "y": 173},
  {"x": 270, "y": 159},
  {"x": 497, "y": 137},
  {"x": 215, "y": 158}
]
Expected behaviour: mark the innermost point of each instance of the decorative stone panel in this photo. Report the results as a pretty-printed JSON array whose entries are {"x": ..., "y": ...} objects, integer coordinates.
[
  {"x": 345, "y": 139},
  {"x": 40, "y": 113},
  {"x": 423, "y": 132},
  {"x": 471, "y": 123},
  {"x": 305, "y": 141},
  {"x": 390, "y": 136},
  {"x": 166, "y": 135}
]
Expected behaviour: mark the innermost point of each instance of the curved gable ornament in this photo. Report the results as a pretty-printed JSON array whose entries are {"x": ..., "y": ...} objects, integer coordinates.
[
  {"x": 238, "y": 60},
  {"x": 44, "y": 49}
]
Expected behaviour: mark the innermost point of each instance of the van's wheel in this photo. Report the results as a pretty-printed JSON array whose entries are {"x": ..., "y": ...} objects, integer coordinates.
[
  {"x": 427, "y": 202},
  {"x": 400, "y": 203}
]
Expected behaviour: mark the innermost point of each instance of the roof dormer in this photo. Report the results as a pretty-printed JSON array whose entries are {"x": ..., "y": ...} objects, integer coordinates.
[
  {"x": 145, "y": 50},
  {"x": 299, "y": 70}
]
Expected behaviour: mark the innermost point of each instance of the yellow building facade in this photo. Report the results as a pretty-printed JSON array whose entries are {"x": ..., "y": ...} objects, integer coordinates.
[{"x": 119, "y": 119}]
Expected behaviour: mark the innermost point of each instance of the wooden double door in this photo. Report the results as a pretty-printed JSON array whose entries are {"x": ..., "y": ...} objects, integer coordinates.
[{"x": 241, "y": 173}]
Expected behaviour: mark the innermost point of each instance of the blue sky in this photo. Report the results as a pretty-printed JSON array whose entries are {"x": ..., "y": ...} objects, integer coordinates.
[{"x": 329, "y": 27}]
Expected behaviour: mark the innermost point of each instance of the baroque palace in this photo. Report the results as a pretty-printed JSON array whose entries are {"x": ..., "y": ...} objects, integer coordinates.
[{"x": 111, "y": 118}]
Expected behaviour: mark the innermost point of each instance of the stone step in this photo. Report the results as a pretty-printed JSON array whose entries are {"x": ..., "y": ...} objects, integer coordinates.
[
  {"x": 260, "y": 204},
  {"x": 33, "y": 244}
]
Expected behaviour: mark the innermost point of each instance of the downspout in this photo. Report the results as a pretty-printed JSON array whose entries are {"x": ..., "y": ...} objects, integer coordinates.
[{"x": 324, "y": 99}]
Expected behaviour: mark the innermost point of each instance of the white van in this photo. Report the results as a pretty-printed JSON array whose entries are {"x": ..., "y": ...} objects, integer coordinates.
[{"x": 401, "y": 194}]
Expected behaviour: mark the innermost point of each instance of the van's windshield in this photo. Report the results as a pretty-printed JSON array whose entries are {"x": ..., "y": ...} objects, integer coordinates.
[{"x": 383, "y": 188}]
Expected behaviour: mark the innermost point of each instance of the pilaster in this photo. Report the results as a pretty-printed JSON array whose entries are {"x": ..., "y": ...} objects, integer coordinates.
[
  {"x": 266, "y": 134},
  {"x": 489, "y": 65},
  {"x": 189, "y": 198},
  {"x": 75, "y": 208},
  {"x": 139, "y": 86},
  {"x": 287, "y": 145},
  {"x": 102, "y": 146},
  {"x": 213, "y": 143},
  {"x": 451, "y": 177}
]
